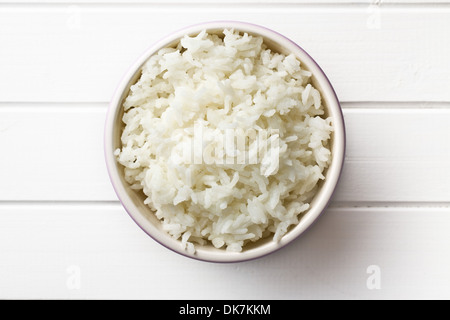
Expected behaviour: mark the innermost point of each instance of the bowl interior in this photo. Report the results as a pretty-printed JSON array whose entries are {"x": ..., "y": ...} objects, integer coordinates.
[{"x": 133, "y": 200}]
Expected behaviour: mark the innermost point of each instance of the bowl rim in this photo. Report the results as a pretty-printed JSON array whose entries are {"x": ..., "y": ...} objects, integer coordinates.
[{"x": 323, "y": 196}]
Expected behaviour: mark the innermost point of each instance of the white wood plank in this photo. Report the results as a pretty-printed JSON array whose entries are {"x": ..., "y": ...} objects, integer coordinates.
[
  {"x": 52, "y": 153},
  {"x": 97, "y": 252},
  {"x": 78, "y": 53},
  {"x": 396, "y": 155},
  {"x": 55, "y": 152}
]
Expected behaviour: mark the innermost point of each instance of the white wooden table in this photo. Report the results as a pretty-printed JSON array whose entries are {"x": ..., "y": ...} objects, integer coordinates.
[{"x": 64, "y": 235}]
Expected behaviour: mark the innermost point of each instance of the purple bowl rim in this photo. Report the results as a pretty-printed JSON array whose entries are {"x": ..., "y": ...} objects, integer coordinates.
[{"x": 208, "y": 24}]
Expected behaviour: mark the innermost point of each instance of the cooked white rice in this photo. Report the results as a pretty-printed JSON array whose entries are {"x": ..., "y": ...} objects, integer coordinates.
[{"x": 220, "y": 85}]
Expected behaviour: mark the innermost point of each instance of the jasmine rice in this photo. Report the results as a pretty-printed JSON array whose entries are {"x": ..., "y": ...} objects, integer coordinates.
[{"x": 227, "y": 139}]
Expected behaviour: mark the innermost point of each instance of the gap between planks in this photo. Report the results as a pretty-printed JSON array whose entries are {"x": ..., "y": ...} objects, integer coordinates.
[
  {"x": 18, "y": 106},
  {"x": 334, "y": 205}
]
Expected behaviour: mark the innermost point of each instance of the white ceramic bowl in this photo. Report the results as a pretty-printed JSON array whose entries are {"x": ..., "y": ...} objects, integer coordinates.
[{"x": 133, "y": 201}]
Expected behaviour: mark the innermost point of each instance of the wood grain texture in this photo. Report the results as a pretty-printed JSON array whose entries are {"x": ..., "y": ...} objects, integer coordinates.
[
  {"x": 79, "y": 53},
  {"x": 55, "y": 152},
  {"x": 43, "y": 247}
]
